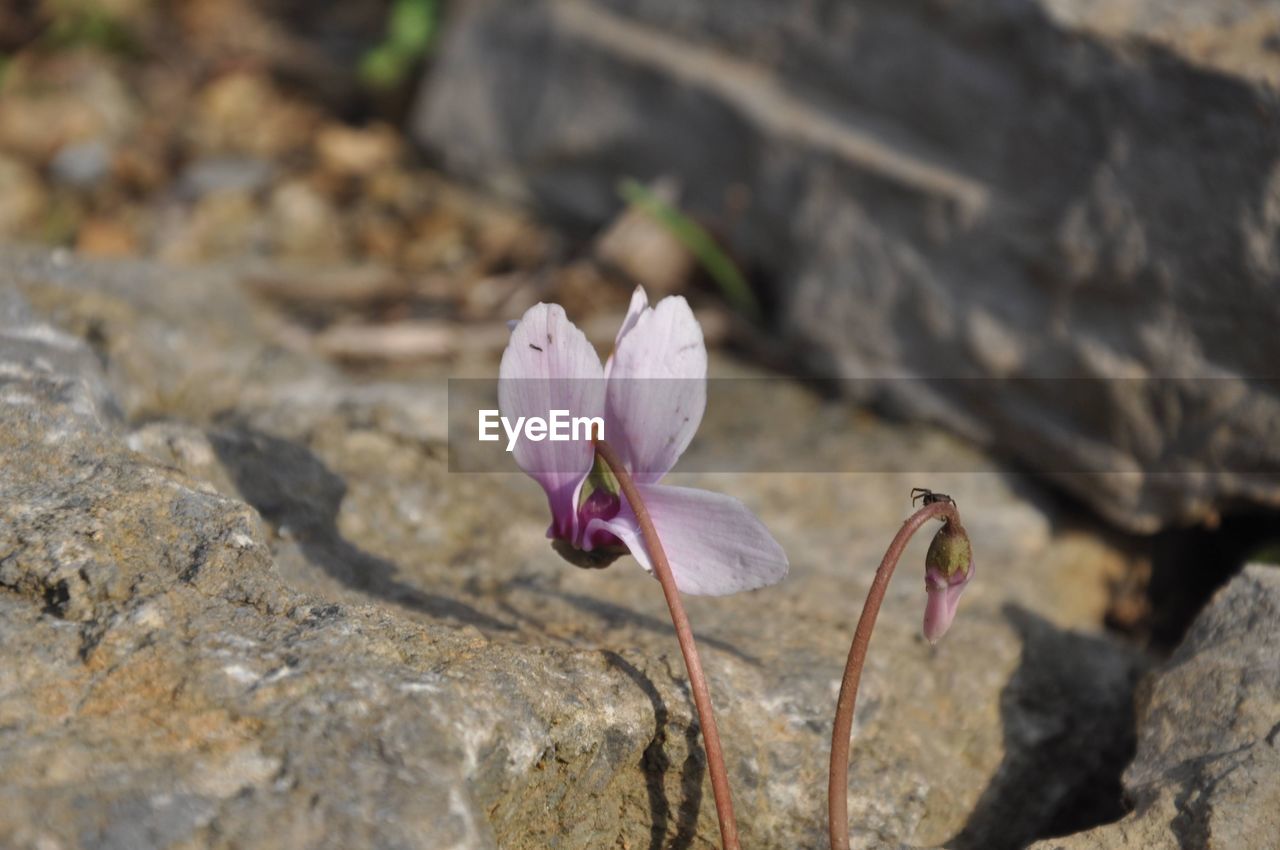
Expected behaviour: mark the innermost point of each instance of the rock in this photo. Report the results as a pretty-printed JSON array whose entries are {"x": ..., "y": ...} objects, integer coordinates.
[
  {"x": 104, "y": 237},
  {"x": 1061, "y": 216},
  {"x": 82, "y": 165},
  {"x": 315, "y": 48},
  {"x": 245, "y": 114},
  {"x": 22, "y": 197},
  {"x": 49, "y": 101},
  {"x": 222, "y": 224},
  {"x": 358, "y": 152},
  {"x": 642, "y": 249},
  {"x": 305, "y": 223},
  {"x": 1207, "y": 769},
  {"x": 224, "y": 174},
  {"x": 244, "y": 600},
  {"x": 1231, "y": 36}
]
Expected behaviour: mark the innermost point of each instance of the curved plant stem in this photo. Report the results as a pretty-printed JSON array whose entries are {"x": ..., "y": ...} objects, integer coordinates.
[
  {"x": 684, "y": 634},
  {"x": 838, "y": 780}
]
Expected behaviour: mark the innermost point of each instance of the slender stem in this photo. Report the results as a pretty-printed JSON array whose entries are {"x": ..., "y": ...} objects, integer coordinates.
[
  {"x": 684, "y": 634},
  {"x": 838, "y": 780}
]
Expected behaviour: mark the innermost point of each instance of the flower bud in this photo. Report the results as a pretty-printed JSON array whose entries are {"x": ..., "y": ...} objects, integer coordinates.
[{"x": 948, "y": 567}]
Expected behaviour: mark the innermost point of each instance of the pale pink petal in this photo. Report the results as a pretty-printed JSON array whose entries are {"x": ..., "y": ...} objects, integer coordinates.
[
  {"x": 657, "y": 390},
  {"x": 639, "y": 305},
  {"x": 715, "y": 545},
  {"x": 943, "y": 600},
  {"x": 549, "y": 365}
]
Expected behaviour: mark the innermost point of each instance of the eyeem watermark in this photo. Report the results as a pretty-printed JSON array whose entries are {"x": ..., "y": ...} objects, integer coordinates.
[{"x": 558, "y": 427}]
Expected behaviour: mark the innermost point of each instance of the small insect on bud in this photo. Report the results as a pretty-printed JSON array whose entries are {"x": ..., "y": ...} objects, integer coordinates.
[
  {"x": 948, "y": 567},
  {"x": 927, "y": 497}
]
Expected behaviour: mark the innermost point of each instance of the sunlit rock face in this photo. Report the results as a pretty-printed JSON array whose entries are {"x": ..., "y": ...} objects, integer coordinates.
[
  {"x": 1207, "y": 769},
  {"x": 244, "y": 601}
]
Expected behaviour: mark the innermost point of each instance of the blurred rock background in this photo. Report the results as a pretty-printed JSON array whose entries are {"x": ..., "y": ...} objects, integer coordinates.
[
  {"x": 245, "y": 243},
  {"x": 1061, "y": 219}
]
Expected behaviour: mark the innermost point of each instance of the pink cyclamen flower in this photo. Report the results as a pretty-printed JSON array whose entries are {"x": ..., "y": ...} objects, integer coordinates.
[
  {"x": 948, "y": 570},
  {"x": 651, "y": 394}
]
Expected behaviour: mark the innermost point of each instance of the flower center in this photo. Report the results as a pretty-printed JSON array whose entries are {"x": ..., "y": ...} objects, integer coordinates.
[
  {"x": 600, "y": 500},
  {"x": 601, "y": 504}
]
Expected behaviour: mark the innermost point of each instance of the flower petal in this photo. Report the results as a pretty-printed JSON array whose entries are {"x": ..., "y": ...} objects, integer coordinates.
[
  {"x": 639, "y": 305},
  {"x": 549, "y": 365},
  {"x": 657, "y": 389},
  {"x": 943, "y": 601},
  {"x": 715, "y": 545}
]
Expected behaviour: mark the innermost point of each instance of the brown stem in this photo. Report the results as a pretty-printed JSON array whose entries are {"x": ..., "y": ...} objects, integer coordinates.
[
  {"x": 838, "y": 780},
  {"x": 684, "y": 634}
]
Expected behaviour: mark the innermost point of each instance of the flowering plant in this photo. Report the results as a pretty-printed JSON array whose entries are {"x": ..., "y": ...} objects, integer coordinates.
[{"x": 605, "y": 498}]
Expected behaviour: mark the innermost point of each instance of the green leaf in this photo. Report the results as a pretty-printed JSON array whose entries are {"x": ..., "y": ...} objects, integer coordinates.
[
  {"x": 411, "y": 27},
  {"x": 693, "y": 236},
  {"x": 383, "y": 67}
]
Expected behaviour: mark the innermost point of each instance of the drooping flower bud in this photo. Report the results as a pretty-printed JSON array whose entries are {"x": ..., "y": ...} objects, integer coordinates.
[{"x": 948, "y": 567}]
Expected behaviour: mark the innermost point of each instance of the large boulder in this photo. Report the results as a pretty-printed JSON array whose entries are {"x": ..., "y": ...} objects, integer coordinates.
[
  {"x": 1054, "y": 226},
  {"x": 244, "y": 602},
  {"x": 1207, "y": 770}
]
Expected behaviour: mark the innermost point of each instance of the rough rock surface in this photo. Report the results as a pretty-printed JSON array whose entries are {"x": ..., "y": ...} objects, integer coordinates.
[
  {"x": 1207, "y": 769},
  {"x": 1064, "y": 216},
  {"x": 244, "y": 603}
]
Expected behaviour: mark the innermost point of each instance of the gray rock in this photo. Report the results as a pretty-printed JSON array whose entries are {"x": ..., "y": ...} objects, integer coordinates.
[
  {"x": 224, "y": 174},
  {"x": 244, "y": 602},
  {"x": 82, "y": 165},
  {"x": 1207, "y": 770},
  {"x": 1065, "y": 217}
]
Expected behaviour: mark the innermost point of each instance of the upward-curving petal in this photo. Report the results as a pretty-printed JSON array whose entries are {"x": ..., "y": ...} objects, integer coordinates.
[
  {"x": 657, "y": 388},
  {"x": 715, "y": 545},
  {"x": 638, "y": 307},
  {"x": 549, "y": 365}
]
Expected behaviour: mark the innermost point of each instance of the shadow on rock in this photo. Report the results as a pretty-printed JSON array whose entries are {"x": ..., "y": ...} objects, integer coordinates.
[
  {"x": 656, "y": 766},
  {"x": 617, "y": 616},
  {"x": 292, "y": 489},
  {"x": 1069, "y": 732}
]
